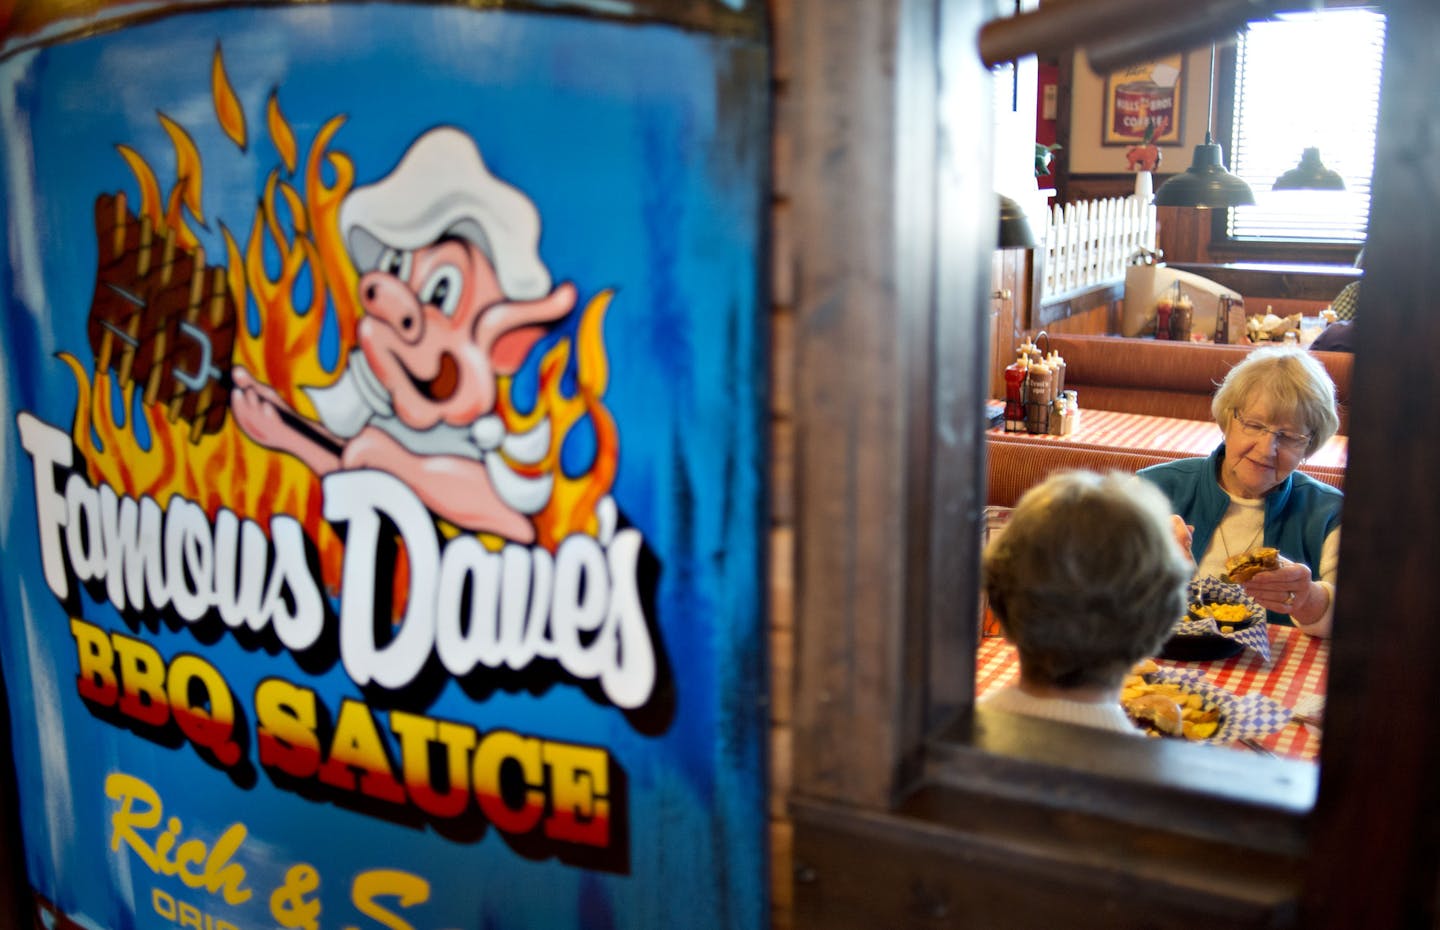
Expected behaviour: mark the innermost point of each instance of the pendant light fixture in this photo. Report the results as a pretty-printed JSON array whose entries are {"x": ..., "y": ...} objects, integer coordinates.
[
  {"x": 1310, "y": 175},
  {"x": 1205, "y": 184},
  {"x": 1015, "y": 232}
]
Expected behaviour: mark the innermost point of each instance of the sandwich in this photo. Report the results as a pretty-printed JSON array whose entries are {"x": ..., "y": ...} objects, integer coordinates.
[
  {"x": 1156, "y": 715},
  {"x": 1241, "y": 568}
]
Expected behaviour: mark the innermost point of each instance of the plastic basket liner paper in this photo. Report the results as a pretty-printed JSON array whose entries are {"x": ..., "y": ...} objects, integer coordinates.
[
  {"x": 1248, "y": 716},
  {"x": 1255, "y": 637}
]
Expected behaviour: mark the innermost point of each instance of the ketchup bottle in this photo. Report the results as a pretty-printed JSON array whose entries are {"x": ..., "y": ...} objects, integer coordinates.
[
  {"x": 1015, "y": 374},
  {"x": 1163, "y": 308}
]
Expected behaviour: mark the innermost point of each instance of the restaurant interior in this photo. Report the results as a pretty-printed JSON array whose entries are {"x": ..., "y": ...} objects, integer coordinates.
[{"x": 896, "y": 800}]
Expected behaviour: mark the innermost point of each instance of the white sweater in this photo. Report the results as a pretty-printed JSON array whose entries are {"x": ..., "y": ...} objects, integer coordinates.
[{"x": 1101, "y": 716}]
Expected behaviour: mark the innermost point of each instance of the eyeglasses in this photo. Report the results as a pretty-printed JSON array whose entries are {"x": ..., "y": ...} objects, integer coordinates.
[{"x": 1290, "y": 442}]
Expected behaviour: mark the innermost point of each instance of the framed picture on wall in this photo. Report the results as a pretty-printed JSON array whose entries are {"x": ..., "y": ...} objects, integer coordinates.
[{"x": 1144, "y": 95}]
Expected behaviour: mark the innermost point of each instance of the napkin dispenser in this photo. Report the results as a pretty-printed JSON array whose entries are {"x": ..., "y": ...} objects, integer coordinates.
[{"x": 1145, "y": 283}]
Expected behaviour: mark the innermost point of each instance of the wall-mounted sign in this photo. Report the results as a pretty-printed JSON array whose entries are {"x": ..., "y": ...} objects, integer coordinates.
[
  {"x": 382, "y": 442},
  {"x": 1143, "y": 103}
]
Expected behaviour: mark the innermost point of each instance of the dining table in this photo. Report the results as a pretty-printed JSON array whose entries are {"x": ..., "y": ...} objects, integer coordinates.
[{"x": 1295, "y": 677}]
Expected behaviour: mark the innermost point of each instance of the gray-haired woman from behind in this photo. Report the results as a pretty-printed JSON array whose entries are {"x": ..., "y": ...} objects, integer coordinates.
[{"x": 1086, "y": 580}]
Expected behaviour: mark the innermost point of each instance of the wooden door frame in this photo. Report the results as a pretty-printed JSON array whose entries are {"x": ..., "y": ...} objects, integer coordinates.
[{"x": 898, "y": 819}]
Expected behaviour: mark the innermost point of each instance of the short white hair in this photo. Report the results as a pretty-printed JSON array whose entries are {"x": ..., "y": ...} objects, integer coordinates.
[
  {"x": 1087, "y": 578},
  {"x": 1292, "y": 380}
]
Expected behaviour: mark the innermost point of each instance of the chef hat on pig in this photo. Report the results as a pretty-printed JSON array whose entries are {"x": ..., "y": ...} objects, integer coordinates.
[{"x": 442, "y": 187}]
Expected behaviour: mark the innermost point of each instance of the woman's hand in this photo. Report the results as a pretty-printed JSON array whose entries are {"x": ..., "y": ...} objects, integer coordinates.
[{"x": 1289, "y": 589}]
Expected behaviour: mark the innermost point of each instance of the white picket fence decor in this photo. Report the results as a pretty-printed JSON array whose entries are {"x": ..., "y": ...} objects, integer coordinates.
[{"x": 1090, "y": 242}]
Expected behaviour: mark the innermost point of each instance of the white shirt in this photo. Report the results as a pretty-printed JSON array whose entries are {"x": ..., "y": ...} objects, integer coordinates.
[
  {"x": 1243, "y": 528},
  {"x": 1104, "y": 715}
]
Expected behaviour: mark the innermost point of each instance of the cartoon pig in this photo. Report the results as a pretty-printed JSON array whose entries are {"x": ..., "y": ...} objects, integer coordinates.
[{"x": 454, "y": 294}]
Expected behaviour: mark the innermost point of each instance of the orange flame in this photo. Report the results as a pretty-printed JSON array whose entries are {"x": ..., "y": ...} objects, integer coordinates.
[
  {"x": 149, "y": 187},
  {"x": 300, "y": 225},
  {"x": 187, "y": 168},
  {"x": 227, "y": 105},
  {"x": 572, "y": 503},
  {"x": 280, "y": 132}
]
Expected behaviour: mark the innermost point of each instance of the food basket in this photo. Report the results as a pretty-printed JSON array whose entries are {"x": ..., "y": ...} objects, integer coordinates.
[
  {"x": 1200, "y": 637},
  {"x": 1251, "y": 716}
]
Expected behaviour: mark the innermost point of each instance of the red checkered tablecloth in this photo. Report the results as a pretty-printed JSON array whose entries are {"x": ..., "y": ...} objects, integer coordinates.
[
  {"x": 1138, "y": 432},
  {"x": 1296, "y": 677}
]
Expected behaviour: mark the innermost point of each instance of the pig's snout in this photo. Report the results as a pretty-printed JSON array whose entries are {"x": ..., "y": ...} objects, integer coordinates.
[{"x": 390, "y": 300}]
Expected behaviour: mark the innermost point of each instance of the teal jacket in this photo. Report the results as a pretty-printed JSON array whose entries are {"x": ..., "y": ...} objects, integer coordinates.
[{"x": 1299, "y": 512}]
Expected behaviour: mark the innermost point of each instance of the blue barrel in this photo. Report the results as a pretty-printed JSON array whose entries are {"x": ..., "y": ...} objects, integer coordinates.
[{"x": 383, "y": 393}]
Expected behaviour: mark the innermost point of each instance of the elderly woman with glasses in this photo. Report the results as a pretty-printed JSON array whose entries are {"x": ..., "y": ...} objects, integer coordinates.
[{"x": 1275, "y": 408}]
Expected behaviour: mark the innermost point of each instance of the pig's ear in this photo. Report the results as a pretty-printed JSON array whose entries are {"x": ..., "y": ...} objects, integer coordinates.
[{"x": 509, "y": 351}]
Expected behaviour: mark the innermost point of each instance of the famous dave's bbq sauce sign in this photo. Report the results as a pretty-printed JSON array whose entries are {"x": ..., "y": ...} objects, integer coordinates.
[{"x": 382, "y": 449}]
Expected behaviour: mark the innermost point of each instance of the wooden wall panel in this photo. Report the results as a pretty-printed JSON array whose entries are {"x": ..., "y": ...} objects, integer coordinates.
[
  {"x": 861, "y": 871},
  {"x": 1007, "y": 299},
  {"x": 1378, "y": 814},
  {"x": 845, "y": 337},
  {"x": 783, "y": 478},
  {"x": 889, "y": 342},
  {"x": 1101, "y": 186}
]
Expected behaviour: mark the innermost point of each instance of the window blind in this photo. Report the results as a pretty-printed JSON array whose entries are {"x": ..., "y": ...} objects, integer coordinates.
[{"x": 1302, "y": 80}]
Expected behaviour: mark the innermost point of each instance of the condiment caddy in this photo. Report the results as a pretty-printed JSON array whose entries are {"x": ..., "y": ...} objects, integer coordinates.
[
  {"x": 1036, "y": 400},
  {"x": 1174, "y": 314}
]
